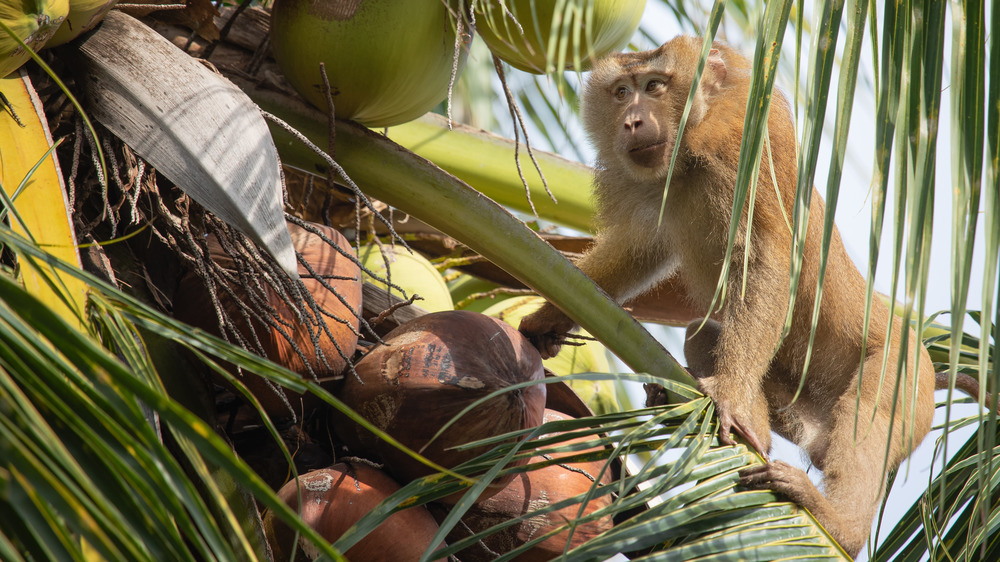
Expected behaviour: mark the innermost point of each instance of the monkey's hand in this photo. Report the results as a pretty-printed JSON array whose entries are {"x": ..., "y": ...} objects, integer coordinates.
[
  {"x": 732, "y": 418},
  {"x": 546, "y": 329},
  {"x": 656, "y": 395}
]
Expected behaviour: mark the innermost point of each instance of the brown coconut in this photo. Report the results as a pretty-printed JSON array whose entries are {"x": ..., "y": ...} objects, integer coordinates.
[
  {"x": 428, "y": 371},
  {"x": 334, "y": 499},
  {"x": 529, "y": 492},
  {"x": 332, "y": 322}
]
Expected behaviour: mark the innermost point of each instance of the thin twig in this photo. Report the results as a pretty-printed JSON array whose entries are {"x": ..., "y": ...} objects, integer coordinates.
[
  {"x": 224, "y": 32},
  {"x": 460, "y": 34},
  {"x": 515, "y": 115},
  {"x": 331, "y": 145},
  {"x": 491, "y": 294},
  {"x": 156, "y": 7},
  {"x": 387, "y": 312},
  {"x": 333, "y": 164}
]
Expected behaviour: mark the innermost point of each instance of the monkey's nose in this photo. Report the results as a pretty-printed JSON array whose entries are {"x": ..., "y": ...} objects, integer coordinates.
[{"x": 632, "y": 124}]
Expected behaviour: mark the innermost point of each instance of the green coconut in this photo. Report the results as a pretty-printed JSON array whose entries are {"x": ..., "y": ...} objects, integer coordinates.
[
  {"x": 33, "y": 22},
  {"x": 411, "y": 272},
  {"x": 523, "y": 32},
  {"x": 83, "y": 16},
  {"x": 388, "y": 61},
  {"x": 591, "y": 357}
]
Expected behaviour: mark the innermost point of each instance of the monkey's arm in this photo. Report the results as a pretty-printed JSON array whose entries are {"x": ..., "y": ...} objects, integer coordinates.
[
  {"x": 620, "y": 265},
  {"x": 732, "y": 360}
]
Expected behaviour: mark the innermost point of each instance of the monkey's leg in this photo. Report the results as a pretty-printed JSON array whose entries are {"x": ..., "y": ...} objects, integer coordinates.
[
  {"x": 854, "y": 472},
  {"x": 749, "y": 334},
  {"x": 700, "y": 349}
]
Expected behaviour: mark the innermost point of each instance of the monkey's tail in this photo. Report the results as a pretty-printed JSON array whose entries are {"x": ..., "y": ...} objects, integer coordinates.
[{"x": 963, "y": 382}]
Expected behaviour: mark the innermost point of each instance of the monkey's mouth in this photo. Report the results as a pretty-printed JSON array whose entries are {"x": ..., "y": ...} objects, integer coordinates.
[
  {"x": 648, "y": 155},
  {"x": 647, "y": 147}
]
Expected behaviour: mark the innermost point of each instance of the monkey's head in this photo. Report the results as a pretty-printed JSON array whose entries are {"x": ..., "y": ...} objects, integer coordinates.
[{"x": 633, "y": 102}]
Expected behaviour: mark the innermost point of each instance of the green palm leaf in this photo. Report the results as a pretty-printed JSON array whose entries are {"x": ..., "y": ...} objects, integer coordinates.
[{"x": 98, "y": 459}]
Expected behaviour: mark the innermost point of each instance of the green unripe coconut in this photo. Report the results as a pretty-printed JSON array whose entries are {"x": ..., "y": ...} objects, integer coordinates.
[
  {"x": 83, "y": 16},
  {"x": 34, "y": 22},
  {"x": 591, "y": 357},
  {"x": 388, "y": 61},
  {"x": 410, "y": 271},
  {"x": 525, "y": 32}
]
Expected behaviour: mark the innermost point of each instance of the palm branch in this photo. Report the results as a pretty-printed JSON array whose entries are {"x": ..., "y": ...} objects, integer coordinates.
[{"x": 92, "y": 439}]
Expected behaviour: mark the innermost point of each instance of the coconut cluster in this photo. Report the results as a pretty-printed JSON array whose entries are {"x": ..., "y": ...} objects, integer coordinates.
[{"x": 451, "y": 385}]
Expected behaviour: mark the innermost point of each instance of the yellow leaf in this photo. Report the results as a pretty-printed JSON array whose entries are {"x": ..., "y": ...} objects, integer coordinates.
[{"x": 42, "y": 208}]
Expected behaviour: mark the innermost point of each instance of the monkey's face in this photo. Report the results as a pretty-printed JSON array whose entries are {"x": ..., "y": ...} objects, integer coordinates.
[
  {"x": 645, "y": 132},
  {"x": 630, "y": 116},
  {"x": 633, "y": 102}
]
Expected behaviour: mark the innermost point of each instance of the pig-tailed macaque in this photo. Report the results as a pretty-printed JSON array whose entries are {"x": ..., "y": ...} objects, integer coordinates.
[{"x": 631, "y": 108}]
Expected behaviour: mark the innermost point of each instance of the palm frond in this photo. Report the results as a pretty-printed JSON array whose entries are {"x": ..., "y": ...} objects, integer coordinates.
[
  {"x": 88, "y": 464},
  {"x": 680, "y": 502}
]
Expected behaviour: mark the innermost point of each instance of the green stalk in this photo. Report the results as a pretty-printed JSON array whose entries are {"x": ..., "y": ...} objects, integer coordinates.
[{"x": 478, "y": 158}]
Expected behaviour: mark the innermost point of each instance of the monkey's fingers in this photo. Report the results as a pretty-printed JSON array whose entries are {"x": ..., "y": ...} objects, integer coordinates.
[
  {"x": 728, "y": 423},
  {"x": 546, "y": 329},
  {"x": 548, "y": 344}
]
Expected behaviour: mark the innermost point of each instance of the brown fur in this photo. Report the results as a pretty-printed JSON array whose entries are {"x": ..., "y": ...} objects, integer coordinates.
[{"x": 740, "y": 361}]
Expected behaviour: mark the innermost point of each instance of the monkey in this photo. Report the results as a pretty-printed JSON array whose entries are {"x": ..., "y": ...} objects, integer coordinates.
[{"x": 854, "y": 431}]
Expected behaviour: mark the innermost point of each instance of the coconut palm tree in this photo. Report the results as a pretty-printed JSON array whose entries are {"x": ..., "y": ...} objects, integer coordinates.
[{"x": 107, "y": 454}]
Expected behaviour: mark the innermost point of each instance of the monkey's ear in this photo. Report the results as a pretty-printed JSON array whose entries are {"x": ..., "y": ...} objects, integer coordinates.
[{"x": 715, "y": 72}]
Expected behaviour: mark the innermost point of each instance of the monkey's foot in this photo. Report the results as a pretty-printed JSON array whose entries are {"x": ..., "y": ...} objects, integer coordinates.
[
  {"x": 848, "y": 525},
  {"x": 780, "y": 477},
  {"x": 656, "y": 395},
  {"x": 546, "y": 329},
  {"x": 790, "y": 481}
]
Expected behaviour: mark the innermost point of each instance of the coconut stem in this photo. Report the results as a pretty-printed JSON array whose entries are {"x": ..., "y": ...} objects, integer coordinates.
[{"x": 331, "y": 147}]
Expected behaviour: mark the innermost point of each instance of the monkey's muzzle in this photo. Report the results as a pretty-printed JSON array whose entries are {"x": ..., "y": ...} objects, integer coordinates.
[{"x": 649, "y": 155}]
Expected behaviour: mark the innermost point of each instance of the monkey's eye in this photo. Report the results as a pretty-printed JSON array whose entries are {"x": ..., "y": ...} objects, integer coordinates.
[
  {"x": 654, "y": 85},
  {"x": 621, "y": 93}
]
